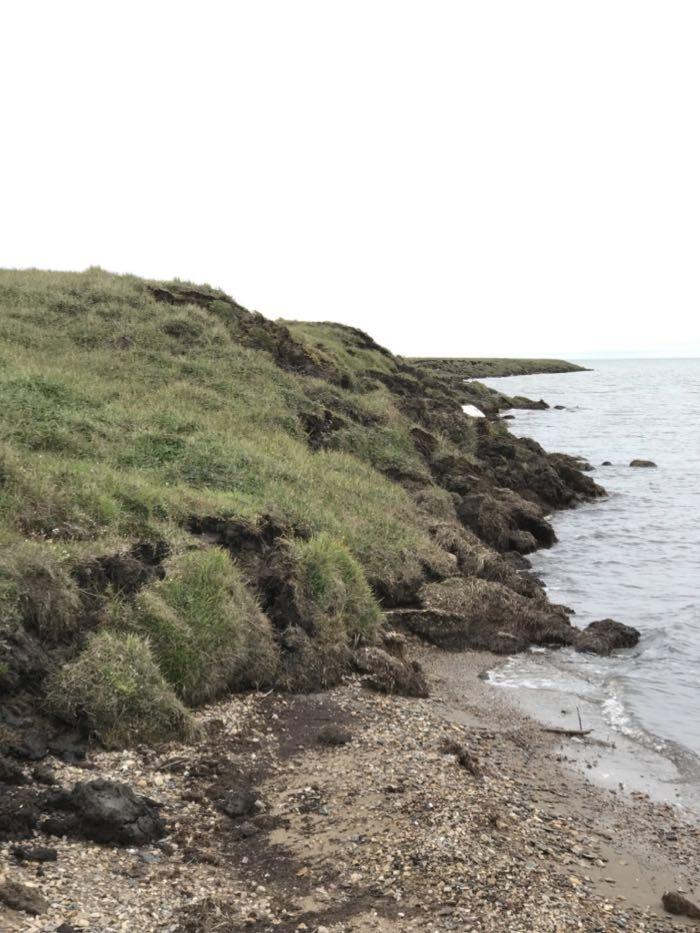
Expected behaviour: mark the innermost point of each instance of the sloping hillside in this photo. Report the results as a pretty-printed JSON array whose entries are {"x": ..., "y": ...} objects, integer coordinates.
[{"x": 195, "y": 499}]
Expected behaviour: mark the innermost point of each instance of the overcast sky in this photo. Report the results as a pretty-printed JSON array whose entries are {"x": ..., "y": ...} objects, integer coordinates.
[{"x": 458, "y": 178}]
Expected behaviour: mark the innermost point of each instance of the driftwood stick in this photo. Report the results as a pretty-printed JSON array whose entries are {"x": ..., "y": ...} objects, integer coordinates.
[{"x": 569, "y": 733}]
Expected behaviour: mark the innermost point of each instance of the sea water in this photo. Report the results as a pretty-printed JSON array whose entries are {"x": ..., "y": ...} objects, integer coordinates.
[{"x": 633, "y": 556}]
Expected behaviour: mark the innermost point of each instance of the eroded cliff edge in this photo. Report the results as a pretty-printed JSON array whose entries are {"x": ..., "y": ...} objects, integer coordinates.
[{"x": 196, "y": 500}]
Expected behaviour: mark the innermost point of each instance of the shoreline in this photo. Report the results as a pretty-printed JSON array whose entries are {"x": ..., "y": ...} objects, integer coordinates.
[
  {"x": 389, "y": 832},
  {"x": 394, "y": 800},
  {"x": 627, "y": 759},
  {"x": 642, "y": 759}
]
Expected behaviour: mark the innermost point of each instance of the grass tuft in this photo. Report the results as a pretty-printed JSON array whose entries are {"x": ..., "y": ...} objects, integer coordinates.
[
  {"x": 205, "y": 627},
  {"x": 332, "y": 592},
  {"x": 117, "y": 682}
]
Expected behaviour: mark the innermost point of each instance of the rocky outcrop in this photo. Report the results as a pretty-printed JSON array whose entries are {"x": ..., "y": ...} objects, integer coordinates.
[
  {"x": 606, "y": 636},
  {"x": 642, "y": 463},
  {"x": 461, "y": 613}
]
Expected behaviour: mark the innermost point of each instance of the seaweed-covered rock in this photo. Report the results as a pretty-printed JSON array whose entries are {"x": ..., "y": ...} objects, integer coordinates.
[
  {"x": 307, "y": 665},
  {"x": 506, "y": 521},
  {"x": 334, "y": 736},
  {"x": 472, "y": 613},
  {"x": 21, "y": 897},
  {"x": 605, "y": 636},
  {"x": 105, "y": 811},
  {"x": 10, "y": 773},
  {"x": 23, "y": 659},
  {"x": 642, "y": 463},
  {"x": 19, "y": 812}
]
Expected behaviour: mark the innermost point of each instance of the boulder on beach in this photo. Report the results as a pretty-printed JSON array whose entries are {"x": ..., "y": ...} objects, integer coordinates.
[
  {"x": 605, "y": 636},
  {"x": 642, "y": 463},
  {"x": 21, "y": 897},
  {"x": 386, "y": 673},
  {"x": 105, "y": 811}
]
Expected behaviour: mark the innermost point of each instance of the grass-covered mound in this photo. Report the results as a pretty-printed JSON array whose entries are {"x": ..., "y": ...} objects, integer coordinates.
[
  {"x": 207, "y": 500},
  {"x": 332, "y": 594},
  {"x": 118, "y": 684},
  {"x": 205, "y": 627}
]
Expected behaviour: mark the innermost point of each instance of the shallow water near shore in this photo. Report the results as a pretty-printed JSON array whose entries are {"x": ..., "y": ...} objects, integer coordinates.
[{"x": 634, "y": 557}]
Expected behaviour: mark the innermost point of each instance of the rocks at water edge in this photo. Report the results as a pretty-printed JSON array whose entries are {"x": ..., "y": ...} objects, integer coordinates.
[
  {"x": 606, "y": 636},
  {"x": 460, "y": 613},
  {"x": 642, "y": 463},
  {"x": 105, "y": 811}
]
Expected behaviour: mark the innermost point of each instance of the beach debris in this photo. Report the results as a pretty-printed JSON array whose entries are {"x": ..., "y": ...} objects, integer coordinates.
[
  {"x": 467, "y": 759},
  {"x": 334, "y": 735},
  {"x": 678, "y": 904},
  {"x": 567, "y": 733}
]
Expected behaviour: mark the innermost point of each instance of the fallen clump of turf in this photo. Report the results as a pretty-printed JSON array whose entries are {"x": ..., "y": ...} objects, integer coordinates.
[{"x": 117, "y": 682}]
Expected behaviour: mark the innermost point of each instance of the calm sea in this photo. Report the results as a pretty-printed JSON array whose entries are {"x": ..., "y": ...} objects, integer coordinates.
[{"x": 634, "y": 556}]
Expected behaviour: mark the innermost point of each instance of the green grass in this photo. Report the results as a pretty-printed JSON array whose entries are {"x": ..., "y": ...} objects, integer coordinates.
[
  {"x": 103, "y": 437},
  {"x": 484, "y": 367},
  {"x": 205, "y": 628},
  {"x": 122, "y": 417},
  {"x": 117, "y": 682},
  {"x": 332, "y": 592},
  {"x": 36, "y": 588}
]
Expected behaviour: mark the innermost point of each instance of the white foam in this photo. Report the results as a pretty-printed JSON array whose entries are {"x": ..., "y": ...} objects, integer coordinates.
[{"x": 615, "y": 714}]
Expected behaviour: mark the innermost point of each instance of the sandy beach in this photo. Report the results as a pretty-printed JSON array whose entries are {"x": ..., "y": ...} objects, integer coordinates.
[{"x": 353, "y": 811}]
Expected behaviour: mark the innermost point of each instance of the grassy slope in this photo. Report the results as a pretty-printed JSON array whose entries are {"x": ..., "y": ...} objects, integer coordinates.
[
  {"x": 122, "y": 416},
  {"x": 142, "y": 423},
  {"x": 476, "y": 368},
  {"x": 125, "y": 418}
]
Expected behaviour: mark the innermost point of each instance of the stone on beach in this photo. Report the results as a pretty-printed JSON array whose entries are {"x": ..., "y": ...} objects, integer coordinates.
[
  {"x": 105, "y": 811},
  {"x": 21, "y": 897},
  {"x": 679, "y": 905}
]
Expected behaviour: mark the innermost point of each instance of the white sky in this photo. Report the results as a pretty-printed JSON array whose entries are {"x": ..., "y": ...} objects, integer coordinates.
[{"x": 458, "y": 178}]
